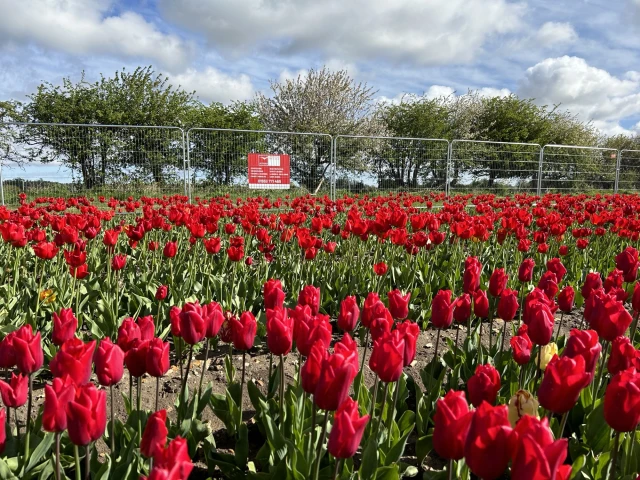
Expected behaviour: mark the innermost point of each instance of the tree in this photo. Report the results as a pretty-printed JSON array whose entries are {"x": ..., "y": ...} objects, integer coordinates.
[
  {"x": 220, "y": 155},
  {"x": 102, "y": 154},
  {"x": 320, "y": 101}
]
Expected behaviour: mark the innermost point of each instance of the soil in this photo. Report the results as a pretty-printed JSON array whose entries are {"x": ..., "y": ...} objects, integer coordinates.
[{"x": 257, "y": 369}]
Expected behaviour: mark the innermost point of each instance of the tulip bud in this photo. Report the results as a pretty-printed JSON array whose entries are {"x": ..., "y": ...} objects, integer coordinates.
[
  {"x": 521, "y": 404},
  {"x": 548, "y": 352}
]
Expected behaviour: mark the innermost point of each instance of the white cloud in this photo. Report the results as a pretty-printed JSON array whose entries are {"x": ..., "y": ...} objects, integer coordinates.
[
  {"x": 84, "y": 27},
  {"x": 591, "y": 93},
  {"x": 212, "y": 85},
  {"x": 437, "y": 91},
  {"x": 287, "y": 75},
  {"x": 494, "y": 92},
  {"x": 553, "y": 33},
  {"x": 425, "y": 33}
]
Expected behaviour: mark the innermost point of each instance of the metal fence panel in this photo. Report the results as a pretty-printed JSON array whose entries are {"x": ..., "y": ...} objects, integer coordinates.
[
  {"x": 218, "y": 161},
  {"x": 43, "y": 159},
  {"x": 495, "y": 167},
  {"x": 628, "y": 179},
  {"x": 565, "y": 168},
  {"x": 368, "y": 164}
]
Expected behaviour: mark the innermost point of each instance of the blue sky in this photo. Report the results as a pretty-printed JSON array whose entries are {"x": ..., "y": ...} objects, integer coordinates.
[{"x": 583, "y": 55}]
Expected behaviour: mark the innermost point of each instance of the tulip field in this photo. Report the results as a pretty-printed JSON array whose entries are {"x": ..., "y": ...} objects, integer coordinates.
[{"x": 370, "y": 337}]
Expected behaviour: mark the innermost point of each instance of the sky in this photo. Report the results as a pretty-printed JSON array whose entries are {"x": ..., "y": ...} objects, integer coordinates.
[{"x": 583, "y": 55}]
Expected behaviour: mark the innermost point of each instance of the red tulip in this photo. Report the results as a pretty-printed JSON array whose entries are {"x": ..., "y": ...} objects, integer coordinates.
[
  {"x": 279, "y": 331},
  {"x": 109, "y": 362},
  {"x": 480, "y": 304},
  {"x": 591, "y": 283},
  {"x": 28, "y": 350},
  {"x": 549, "y": 284},
  {"x": 622, "y": 401},
  {"x": 349, "y": 313},
  {"x": 243, "y": 331},
  {"x": 157, "y": 357},
  {"x": 155, "y": 434},
  {"x": 462, "y": 308},
  {"x": 193, "y": 326},
  {"x": 147, "y": 327},
  {"x": 382, "y": 322},
  {"x": 451, "y": 425},
  {"x": 45, "y": 250},
  {"x": 536, "y": 455},
  {"x": 442, "y": 309},
  {"x": 483, "y": 385},
  {"x": 174, "y": 317},
  {"x": 608, "y": 317},
  {"x": 136, "y": 358},
  {"x": 346, "y": 432},
  {"x": 212, "y": 245},
  {"x": 525, "y": 271},
  {"x": 310, "y": 295},
  {"x": 173, "y": 462},
  {"x": 56, "y": 397},
  {"x": 118, "y": 262},
  {"x": 487, "y": 446},
  {"x": 555, "y": 265},
  {"x": 566, "y": 298},
  {"x": 398, "y": 304},
  {"x": 162, "y": 292},
  {"x": 622, "y": 357},
  {"x": 170, "y": 249},
  {"x": 128, "y": 333},
  {"x": 337, "y": 372},
  {"x": 380, "y": 268},
  {"x": 498, "y": 282},
  {"x": 410, "y": 332},
  {"x": 563, "y": 380},
  {"x": 369, "y": 308},
  {"x": 584, "y": 343},
  {"x": 7, "y": 351},
  {"x": 521, "y": 345},
  {"x": 14, "y": 394},
  {"x": 387, "y": 357},
  {"x": 540, "y": 323},
  {"x": 627, "y": 260},
  {"x": 273, "y": 294},
  {"x": 310, "y": 371},
  {"x": 471, "y": 276},
  {"x": 508, "y": 304},
  {"x": 214, "y": 318},
  {"x": 65, "y": 325},
  {"x": 79, "y": 272},
  {"x": 308, "y": 329},
  {"x": 75, "y": 358},
  {"x": 235, "y": 253},
  {"x": 87, "y": 415}
]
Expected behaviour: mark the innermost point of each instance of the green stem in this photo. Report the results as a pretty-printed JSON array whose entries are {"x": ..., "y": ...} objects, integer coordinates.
[
  {"x": 204, "y": 365},
  {"x": 314, "y": 411},
  {"x": 281, "y": 393},
  {"x": 87, "y": 463},
  {"x": 614, "y": 456},
  {"x": 321, "y": 444},
  {"x": 113, "y": 426},
  {"x": 559, "y": 327},
  {"x": 563, "y": 423},
  {"x": 450, "y": 469},
  {"x": 58, "y": 475},
  {"x": 138, "y": 405},
  {"x": 596, "y": 386},
  {"x": 337, "y": 469},
  {"x": 392, "y": 412},
  {"x": 29, "y": 406},
  {"x": 77, "y": 456},
  {"x": 157, "y": 392},
  {"x": 244, "y": 354}
]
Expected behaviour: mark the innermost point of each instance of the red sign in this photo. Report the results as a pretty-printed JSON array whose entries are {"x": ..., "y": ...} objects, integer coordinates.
[{"x": 268, "y": 171}]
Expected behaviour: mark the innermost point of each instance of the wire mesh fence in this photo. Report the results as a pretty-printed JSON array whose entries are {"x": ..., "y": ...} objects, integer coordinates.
[
  {"x": 62, "y": 160},
  {"x": 370, "y": 164},
  {"x": 219, "y": 161},
  {"x": 567, "y": 168},
  {"x": 628, "y": 171},
  {"x": 494, "y": 167},
  {"x": 113, "y": 161}
]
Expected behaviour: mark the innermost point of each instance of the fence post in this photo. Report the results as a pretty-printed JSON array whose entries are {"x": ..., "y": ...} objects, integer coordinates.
[
  {"x": 539, "y": 189},
  {"x": 618, "y": 160},
  {"x": 187, "y": 166},
  {"x": 448, "y": 167}
]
